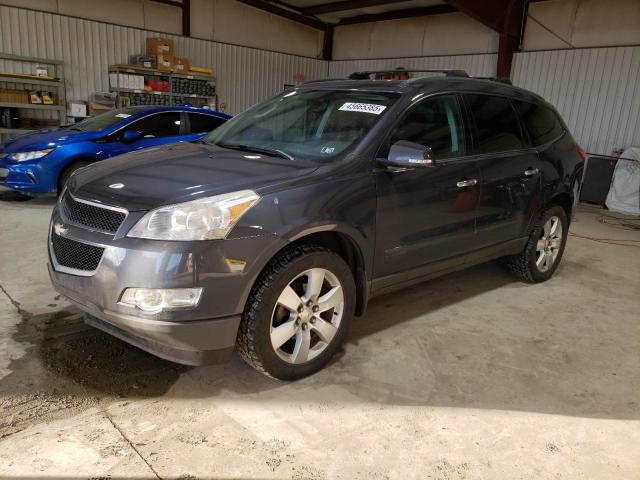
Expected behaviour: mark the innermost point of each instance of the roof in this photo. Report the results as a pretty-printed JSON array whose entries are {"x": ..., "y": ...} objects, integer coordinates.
[
  {"x": 428, "y": 85},
  {"x": 181, "y": 108}
]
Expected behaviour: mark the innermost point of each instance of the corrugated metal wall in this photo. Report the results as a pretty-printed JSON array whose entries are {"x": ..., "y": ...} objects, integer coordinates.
[
  {"x": 596, "y": 90},
  {"x": 245, "y": 75},
  {"x": 479, "y": 65}
]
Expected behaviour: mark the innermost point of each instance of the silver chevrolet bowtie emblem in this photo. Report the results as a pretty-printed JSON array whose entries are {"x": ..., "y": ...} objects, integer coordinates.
[
  {"x": 60, "y": 229},
  {"x": 116, "y": 185}
]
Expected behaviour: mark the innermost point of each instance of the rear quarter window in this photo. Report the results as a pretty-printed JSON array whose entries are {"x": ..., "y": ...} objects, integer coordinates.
[
  {"x": 497, "y": 128},
  {"x": 542, "y": 123},
  {"x": 201, "y": 123}
]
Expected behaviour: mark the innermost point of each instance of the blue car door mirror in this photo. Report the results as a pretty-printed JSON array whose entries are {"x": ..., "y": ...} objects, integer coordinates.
[{"x": 131, "y": 135}]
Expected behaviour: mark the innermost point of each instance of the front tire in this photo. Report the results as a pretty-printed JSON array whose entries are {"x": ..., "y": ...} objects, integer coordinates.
[
  {"x": 543, "y": 252},
  {"x": 298, "y": 313}
]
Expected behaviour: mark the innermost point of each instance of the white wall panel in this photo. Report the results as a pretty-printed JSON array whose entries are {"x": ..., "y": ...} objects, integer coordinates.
[
  {"x": 582, "y": 23},
  {"x": 477, "y": 65},
  {"x": 596, "y": 91},
  {"x": 449, "y": 34},
  {"x": 245, "y": 75}
]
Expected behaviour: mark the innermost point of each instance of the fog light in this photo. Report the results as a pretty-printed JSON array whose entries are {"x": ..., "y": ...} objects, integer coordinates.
[{"x": 156, "y": 300}]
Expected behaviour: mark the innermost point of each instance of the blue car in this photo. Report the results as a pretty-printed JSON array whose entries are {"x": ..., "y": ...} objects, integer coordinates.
[{"x": 41, "y": 162}]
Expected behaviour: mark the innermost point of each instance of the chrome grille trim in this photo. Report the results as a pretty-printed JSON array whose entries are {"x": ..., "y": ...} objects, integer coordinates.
[{"x": 109, "y": 226}]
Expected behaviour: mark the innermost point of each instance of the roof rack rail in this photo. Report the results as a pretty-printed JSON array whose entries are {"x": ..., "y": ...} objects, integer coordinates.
[
  {"x": 364, "y": 75},
  {"x": 505, "y": 80}
]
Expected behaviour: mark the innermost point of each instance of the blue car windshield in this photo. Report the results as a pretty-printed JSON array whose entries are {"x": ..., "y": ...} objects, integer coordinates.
[
  {"x": 104, "y": 120},
  {"x": 316, "y": 125}
]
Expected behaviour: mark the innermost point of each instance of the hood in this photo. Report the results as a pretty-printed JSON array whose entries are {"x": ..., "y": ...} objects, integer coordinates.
[
  {"x": 182, "y": 172},
  {"x": 51, "y": 137}
]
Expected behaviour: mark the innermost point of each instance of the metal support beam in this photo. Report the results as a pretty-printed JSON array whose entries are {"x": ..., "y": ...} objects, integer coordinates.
[
  {"x": 344, "y": 5},
  {"x": 327, "y": 43},
  {"x": 505, "y": 17},
  {"x": 285, "y": 13},
  {"x": 397, "y": 14},
  {"x": 186, "y": 18}
]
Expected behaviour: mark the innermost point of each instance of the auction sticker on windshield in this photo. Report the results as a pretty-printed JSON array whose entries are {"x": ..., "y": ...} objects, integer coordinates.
[{"x": 363, "y": 107}]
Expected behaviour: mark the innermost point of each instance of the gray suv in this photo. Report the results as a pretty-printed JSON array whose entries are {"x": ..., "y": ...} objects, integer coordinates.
[{"x": 272, "y": 232}]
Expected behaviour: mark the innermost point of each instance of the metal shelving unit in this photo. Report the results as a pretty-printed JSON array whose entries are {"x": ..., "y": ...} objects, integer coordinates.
[
  {"x": 56, "y": 83},
  {"x": 211, "y": 100}
]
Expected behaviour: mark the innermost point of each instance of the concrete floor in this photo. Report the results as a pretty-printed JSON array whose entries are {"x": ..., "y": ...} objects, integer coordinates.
[{"x": 473, "y": 375}]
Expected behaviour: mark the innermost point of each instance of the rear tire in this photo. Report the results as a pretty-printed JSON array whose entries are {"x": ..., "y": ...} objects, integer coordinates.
[
  {"x": 543, "y": 252},
  {"x": 298, "y": 313},
  {"x": 68, "y": 171}
]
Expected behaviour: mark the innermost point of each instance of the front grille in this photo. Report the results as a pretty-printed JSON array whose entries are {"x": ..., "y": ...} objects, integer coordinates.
[
  {"x": 92, "y": 216},
  {"x": 76, "y": 255}
]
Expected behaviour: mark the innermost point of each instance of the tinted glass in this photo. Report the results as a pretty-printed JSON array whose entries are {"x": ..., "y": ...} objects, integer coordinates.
[
  {"x": 496, "y": 124},
  {"x": 158, "y": 125},
  {"x": 201, "y": 123},
  {"x": 541, "y": 122},
  {"x": 104, "y": 120},
  {"x": 434, "y": 123},
  {"x": 316, "y": 125}
]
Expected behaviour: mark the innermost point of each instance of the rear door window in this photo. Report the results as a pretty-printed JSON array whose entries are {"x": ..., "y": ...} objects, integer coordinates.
[
  {"x": 496, "y": 122},
  {"x": 542, "y": 123},
  {"x": 158, "y": 125},
  {"x": 201, "y": 123}
]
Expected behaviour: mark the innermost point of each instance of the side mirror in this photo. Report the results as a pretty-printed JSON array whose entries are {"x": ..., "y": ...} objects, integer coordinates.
[
  {"x": 405, "y": 154},
  {"x": 131, "y": 135}
]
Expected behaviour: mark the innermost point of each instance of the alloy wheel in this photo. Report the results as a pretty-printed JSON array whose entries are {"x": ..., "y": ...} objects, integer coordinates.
[
  {"x": 307, "y": 316},
  {"x": 549, "y": 243}
]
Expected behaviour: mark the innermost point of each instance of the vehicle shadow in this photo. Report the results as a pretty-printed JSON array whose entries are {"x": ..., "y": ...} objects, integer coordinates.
[{"x": 464, "y": 340}]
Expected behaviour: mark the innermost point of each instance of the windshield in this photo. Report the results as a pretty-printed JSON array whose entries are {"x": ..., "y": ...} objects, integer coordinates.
[
  {"x": 315, "y": 125},
  {"x": 104, "y": 120}
]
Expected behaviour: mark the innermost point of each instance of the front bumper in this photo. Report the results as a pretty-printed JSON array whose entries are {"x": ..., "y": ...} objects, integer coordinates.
[
  {"x": 226, "y": 269},
  {"x": 28, "y": 177}
]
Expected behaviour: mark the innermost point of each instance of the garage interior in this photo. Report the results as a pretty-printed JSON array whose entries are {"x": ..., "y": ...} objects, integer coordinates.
[{"x": 471, "y": 375}]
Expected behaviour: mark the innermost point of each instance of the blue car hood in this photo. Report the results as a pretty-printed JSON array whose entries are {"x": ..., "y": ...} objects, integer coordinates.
[
  {"x": 180, "y": 172},
  {"x": 52, "y": 137}
]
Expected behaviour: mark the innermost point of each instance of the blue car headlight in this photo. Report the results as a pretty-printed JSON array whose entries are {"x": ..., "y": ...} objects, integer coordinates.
[{"x": 32, "y": 155}]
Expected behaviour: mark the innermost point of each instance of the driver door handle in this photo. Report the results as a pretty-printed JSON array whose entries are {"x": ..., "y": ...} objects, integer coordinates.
[
  {"x": 531, "y": 171},
  {"x": 467, "y": 183}
]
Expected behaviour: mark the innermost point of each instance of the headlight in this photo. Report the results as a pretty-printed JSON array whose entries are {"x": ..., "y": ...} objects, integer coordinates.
[
  {"x": 33, "y": 155},
  {"x": 204, "y": 219}
]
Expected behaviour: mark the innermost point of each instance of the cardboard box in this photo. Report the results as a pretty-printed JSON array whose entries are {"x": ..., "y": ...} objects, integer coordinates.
[
  {"x": 181, "y": 65},
  {"x": 165, "y": 62},
  {"x": 9, "y": 95},
  {"x": 77, "y": 109},
  {"x": 97, "y": 108},
  {"x": 119, "y": 80},
  {"x": 159, "y": 46}
]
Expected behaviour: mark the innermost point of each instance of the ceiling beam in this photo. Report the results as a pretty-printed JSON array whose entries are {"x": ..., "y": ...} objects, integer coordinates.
[
  {"x": 344, "y": 5},
  {"x": 285, "y": 13},
  {"x": 397, "y": 14},
  {"x": 503, "y": 16},
  {"x": 506, "y": 17}
]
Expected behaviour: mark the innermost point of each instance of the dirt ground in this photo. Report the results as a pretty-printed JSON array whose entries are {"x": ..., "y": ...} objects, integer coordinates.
[{"x": 473, "y": 375}]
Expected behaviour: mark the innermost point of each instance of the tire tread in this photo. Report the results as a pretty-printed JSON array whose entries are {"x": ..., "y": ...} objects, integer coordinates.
[{"x": 246, "y": 341}]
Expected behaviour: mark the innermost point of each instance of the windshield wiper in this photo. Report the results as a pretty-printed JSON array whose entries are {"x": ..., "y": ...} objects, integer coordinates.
[{"x": 250, "y": 148}]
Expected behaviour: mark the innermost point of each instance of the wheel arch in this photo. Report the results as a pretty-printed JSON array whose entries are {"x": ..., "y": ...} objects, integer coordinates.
[
  {"x": 335, "y": 239},
  {"x": 566, "y": 201},
  {"x": 348, "y": 249},
  {"x": 69, "y": 164}
]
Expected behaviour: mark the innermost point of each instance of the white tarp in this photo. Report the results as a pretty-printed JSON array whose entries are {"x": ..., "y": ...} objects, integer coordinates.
[{"x": 624, "y": 193}]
